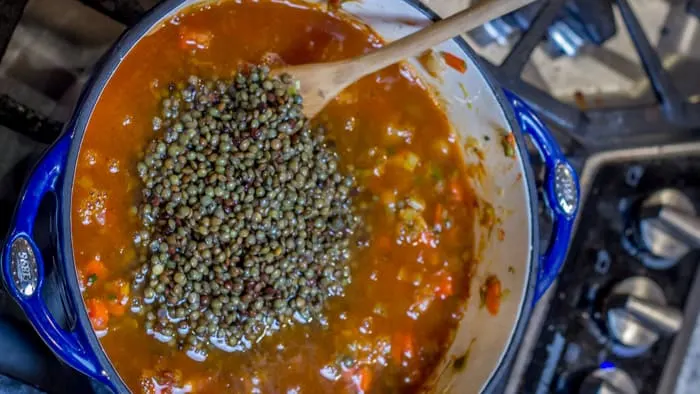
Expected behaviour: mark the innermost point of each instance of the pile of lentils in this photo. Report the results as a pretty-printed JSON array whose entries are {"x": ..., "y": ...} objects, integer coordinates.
[{"x": 246, "y": 217}]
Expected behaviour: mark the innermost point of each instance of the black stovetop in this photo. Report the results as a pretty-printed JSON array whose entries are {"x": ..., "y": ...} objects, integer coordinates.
[{"x": 574, "y": 340}]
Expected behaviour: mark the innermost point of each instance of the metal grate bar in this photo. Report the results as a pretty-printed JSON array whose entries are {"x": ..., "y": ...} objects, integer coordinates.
[
  {"x": 669, "y": 97},
  {"x": 520, "y": 54},
  {"x": 126, "y": 12},
  {"x": 597, "y": 17},
  {"x": 569, "y": 118},
  {"x": 616, "y": 125},
  {"x": 10, "y": 13},
  {"x": 21, "y": 119}
]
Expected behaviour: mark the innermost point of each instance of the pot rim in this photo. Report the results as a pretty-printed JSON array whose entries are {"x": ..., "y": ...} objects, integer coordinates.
[{"x": 91, "y": 94}]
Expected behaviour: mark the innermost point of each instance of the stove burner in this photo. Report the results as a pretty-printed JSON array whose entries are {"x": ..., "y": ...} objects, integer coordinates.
[{"x": 567, "y": 26}]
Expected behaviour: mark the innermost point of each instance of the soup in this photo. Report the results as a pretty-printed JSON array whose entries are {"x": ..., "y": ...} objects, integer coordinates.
[{"x": 411, "y": 264}]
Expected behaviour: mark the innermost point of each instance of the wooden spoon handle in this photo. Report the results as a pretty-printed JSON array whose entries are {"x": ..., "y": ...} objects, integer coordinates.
[{"x": 430, "y": 36}]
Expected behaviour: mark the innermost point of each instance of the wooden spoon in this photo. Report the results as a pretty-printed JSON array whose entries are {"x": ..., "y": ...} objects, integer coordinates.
[{"x": 321, "y": 82}]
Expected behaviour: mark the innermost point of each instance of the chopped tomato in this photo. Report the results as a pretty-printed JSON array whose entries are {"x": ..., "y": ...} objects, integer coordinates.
[
  {"x": 98, "y": 313},
  {"x": 455, "y": 62},
  {"x": 95, "y": 270},
  {"x": 444, "y": 286},
  {"x": 492, "y": 294}
]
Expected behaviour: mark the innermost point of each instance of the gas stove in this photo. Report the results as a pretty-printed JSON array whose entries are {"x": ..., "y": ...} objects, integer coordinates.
[
  {"x": 613, "y": 79},
  {"x": 623, "y": 312}
]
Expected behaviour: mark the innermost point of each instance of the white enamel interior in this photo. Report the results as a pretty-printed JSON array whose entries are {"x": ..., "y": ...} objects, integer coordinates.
[{"x": 483, "y": 336}]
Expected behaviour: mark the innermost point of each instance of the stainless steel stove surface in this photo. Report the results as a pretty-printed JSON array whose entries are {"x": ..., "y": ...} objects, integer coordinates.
[{"x": 615, "y": 81}]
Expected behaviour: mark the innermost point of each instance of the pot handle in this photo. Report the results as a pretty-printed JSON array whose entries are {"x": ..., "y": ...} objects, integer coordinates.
[
  {"x": 561, "y": 192},
  {"x": 23, "y": 267}
]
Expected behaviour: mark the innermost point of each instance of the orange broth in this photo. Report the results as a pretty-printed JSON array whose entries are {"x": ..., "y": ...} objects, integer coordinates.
[{"x": 409, "y": 283}]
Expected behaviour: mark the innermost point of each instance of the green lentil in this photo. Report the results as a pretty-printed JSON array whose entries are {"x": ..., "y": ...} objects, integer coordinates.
[{"x": 246, "y": 216}]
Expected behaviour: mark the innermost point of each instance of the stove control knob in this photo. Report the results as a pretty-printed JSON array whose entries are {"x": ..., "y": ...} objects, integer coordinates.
[
  {"x": 637, "y": 314},
  {"x": 608, "y": 381},
  {"x": 668, "y": 228}
]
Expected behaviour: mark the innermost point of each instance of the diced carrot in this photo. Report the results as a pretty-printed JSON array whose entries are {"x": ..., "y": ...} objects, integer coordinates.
[
  {"x": 363, "y": 379},
  {"x": 455, "y": 62},
  {"x": 115, "y": 307},
  {"x": 98, "y": 313},
  {"x": 444, "y": 287},
  {"x": 402, "y": 346},
  {"x": 94, "y": 270},
  {"x": 438, "y": 214},
  {"x": 493, "y": 295}
]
